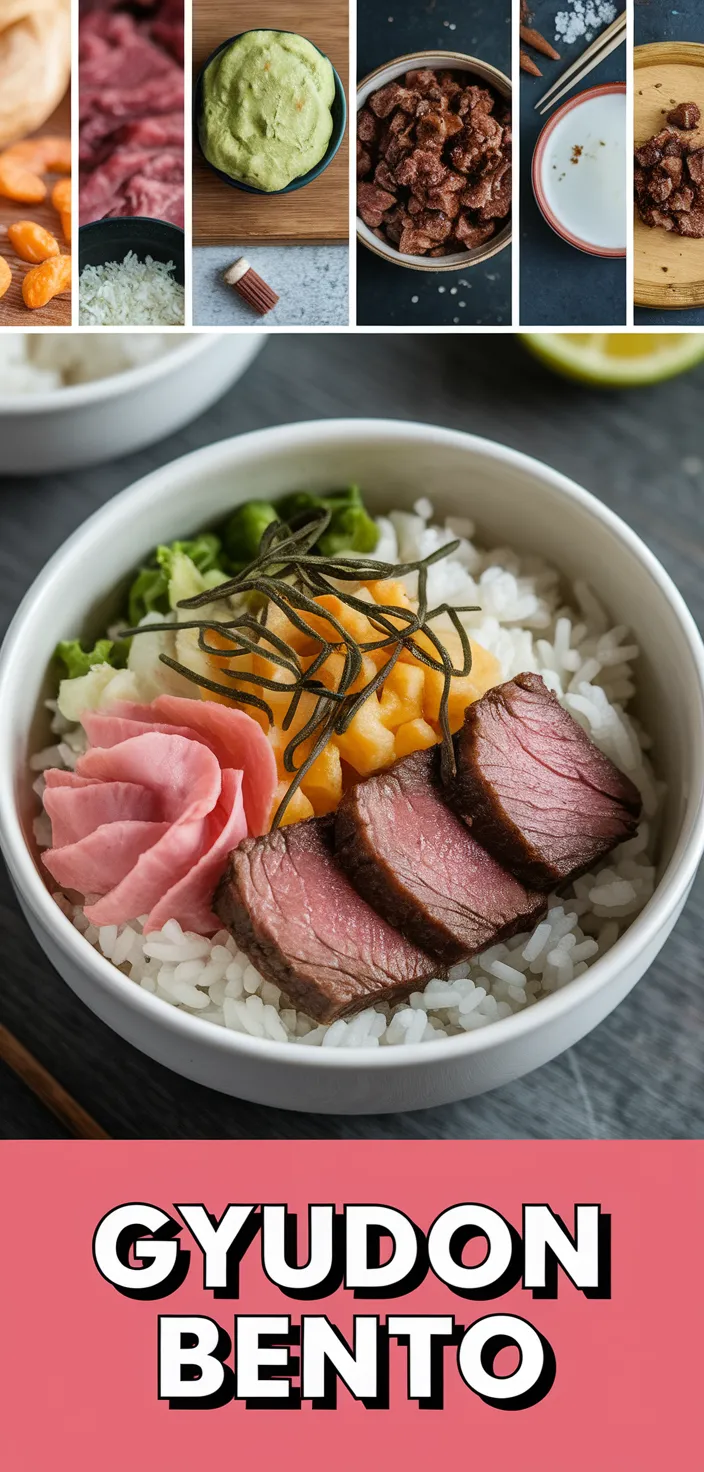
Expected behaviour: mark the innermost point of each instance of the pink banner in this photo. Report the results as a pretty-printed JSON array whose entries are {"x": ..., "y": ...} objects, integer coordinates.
[{"x": 549, "y": 1295}]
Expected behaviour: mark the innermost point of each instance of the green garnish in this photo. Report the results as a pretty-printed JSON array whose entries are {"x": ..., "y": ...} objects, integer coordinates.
[
  {"x": 149, "y": 592},
  {"x": 244, "y": 530},
  {"x": 350, "y": 527},
  {"x": 79, "y": 661}
]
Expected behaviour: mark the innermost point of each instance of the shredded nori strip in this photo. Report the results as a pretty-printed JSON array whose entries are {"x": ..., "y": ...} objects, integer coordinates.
[{"x": 288, "y": 575}]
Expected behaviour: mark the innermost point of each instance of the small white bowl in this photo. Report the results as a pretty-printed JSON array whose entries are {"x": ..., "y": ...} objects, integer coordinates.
[
  {"x": 395, "y": 463},
  {"x": 89, "y": 422},
  {"x": 578, "y": 190},
  {"x": 454, "y": 61}
]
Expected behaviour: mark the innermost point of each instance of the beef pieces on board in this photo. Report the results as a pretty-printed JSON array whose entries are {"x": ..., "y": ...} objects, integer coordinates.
[
  {"x": 536, "y": 791},
  {"x": 434, "y": 163},
  {"x": 295, "y": 914},
  {"x": 668, "y": 177},
  {"x": 417, "y": 863}
]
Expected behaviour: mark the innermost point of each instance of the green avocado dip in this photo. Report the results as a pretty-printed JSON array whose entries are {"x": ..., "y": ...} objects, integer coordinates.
[{"x": 265, "y": 116}]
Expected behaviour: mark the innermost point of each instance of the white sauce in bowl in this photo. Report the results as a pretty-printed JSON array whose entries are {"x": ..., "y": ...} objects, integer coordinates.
[{"x": 583, "y": 172}]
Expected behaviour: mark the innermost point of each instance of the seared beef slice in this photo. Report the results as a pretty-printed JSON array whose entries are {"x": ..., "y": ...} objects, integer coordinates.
[
  {"x": 293, "y": 912},
  {"x": 417, "y": 863},
  {"x": 537, "y": 793}
]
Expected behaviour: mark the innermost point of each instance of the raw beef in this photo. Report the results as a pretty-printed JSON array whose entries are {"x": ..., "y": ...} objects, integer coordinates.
[{"x": 131, "y": 109}]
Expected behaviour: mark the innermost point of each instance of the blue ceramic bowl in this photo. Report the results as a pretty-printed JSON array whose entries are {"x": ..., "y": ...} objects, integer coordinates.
[{"x": 339, "y": 123}]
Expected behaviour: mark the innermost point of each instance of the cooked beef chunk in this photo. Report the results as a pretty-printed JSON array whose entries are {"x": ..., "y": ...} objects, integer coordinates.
[
  {"x": 673, "y": 168},
  {"x": 475, "y": 99},
  {"x": 478, "y": 193},
  {"x": 471, "y": 235},
  {"x": 435, "y": 128},
  {"x": 430, "y": 136},
  {"x": 421, "y": 81},
  {"x": 373, "y": 203},
  {"x": 695, "y": 165},
  {"x": 295, "y": 914},
  {"x": 691, "y": 223},
  {"x": 384, "y": 178},
  {"x": 445, "y": 198},
  {"x": 367, "y": 126},
  {"x": 663, "y": 195},
  {"x": 681, "y": 200},
  {"x": 395, "y": 223},
  {"x": 499, "y": 201},
  {"x": 364, "y": 161},
  {"x": 414, "y": 242},
  {"x": 416, "y": 862},
  {"x": 387, "y": 99},
  {"x": 655, "y": 217},
  {"x": 684, "y": 115},
  {"x": 659, "y": 187},
  {"x": 537, "y": 793},
  {"x": 423, "y": 167},
  {"x": 662, "y": 144}
]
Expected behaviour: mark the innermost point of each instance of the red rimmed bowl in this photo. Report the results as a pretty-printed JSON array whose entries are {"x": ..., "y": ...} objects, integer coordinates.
[{"x": 579, "y": 171}]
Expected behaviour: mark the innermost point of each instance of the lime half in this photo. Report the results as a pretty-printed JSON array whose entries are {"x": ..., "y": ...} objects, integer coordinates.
[{"x": 617, "y": 359}]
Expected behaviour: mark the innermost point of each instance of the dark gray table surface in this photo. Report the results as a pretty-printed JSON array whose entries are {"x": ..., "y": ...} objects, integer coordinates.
[
  {"x": 391, "y": 296},
  {"x": 561, "y": 286},
  {"x": 656, "y": 21},
  {"x": 639, "y": 1074}
]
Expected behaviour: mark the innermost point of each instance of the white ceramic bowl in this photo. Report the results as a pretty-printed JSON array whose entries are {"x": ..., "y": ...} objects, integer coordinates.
[
  {"x": 394, "y": 463},
  {"x": 90, "y": 422},
  {"x": 454, "y": 61}
]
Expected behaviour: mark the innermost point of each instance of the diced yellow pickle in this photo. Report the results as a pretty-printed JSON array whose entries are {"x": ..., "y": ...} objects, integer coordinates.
[
  {"x": 367, "y": 744},
  {"x": 299, "y": 807},
  {"x": 414, "y": 736},
  {"x": 322, "y": 785},
  {"x": 402, "y": 697}
]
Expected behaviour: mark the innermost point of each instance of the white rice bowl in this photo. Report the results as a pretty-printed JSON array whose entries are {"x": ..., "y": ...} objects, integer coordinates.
[{"x": 523, "y": 621}]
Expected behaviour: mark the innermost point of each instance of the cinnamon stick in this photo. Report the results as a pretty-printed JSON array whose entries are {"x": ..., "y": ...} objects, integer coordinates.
[
  {"x": 528, "y": 65},
  {"x": 533, "y": 38}
]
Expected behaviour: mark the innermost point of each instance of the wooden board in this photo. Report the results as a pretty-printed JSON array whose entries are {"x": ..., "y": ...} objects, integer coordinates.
[
  {"x": 13, "y": 312},
  {"x": 315, "y": 215},
  {"x": 668, "y": 269}
]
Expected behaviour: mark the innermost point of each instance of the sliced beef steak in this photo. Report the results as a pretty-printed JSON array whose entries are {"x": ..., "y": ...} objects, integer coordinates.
[
  {"x": 417, "y": 863},
  {"x": 296, "y": 915},
  {"x": 537, "y": 793}
]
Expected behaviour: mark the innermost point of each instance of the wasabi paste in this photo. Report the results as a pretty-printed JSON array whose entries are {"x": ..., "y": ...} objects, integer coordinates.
[{"x": 265, "y": 116}]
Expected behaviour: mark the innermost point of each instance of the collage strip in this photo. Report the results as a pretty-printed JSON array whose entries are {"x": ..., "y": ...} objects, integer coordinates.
[{"x": 213, "y": 138}]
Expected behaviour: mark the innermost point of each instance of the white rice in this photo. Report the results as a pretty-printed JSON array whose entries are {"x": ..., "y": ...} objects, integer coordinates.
[
  {"x": 588, "y": 664},
  {"x": 131, "y": 293},
  {"x": 43, "y": 362}
]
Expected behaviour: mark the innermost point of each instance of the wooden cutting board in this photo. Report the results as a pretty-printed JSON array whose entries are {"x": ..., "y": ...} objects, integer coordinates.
[
  {"x": 13, "y": 312},
  {"x": 668, "y": 269},
  {"x": 318, "y": 214}
]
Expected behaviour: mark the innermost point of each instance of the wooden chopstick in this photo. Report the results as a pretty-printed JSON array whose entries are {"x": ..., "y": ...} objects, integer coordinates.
[
  {"x": 48, "y": 1089},
  {"x": 596, "y": 61},
  {"x": 601, "y": 47}
]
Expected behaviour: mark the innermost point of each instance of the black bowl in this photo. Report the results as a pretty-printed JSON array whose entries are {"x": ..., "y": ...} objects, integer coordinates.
[{"x": 112, "y": 240}]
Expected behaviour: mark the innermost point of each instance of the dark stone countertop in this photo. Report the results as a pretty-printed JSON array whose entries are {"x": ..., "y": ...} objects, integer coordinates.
[
  {"x": 639, "y": 1074},
  {"x": 561, "y": 286},
  {"x": 392, "y": 296}
]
